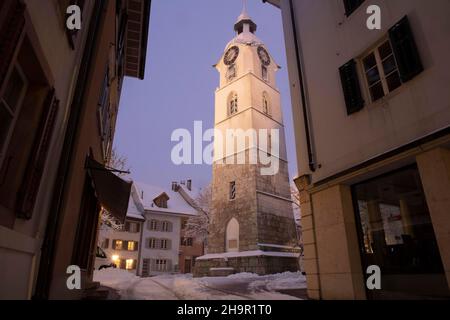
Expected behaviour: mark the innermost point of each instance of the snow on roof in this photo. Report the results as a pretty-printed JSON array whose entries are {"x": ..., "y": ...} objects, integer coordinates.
[
  {"x": 133, "y": 211},
  {"x": 176, "y": 204}
]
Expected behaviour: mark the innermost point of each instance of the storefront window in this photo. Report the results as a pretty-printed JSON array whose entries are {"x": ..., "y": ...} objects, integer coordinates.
[{"x": 396, "y": 234}]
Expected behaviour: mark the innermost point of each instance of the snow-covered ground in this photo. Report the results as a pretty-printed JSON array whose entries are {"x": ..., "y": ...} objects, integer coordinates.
[{"x": 240, "y": 286}]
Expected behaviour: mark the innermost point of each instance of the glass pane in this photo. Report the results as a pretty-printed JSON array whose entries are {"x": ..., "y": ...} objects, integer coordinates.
[
  {"x": 369, "y": 61},
  {"x": 397, "y": 235},
  {"x": 13, "y": 89},
  {"x": 377, "y": 92},
  {"x": 393, "y": 81},
  {"x": 5, "y": 123},
  {"x": 385, "y": 50},
  {"x": 389, "y": 65},
  {"x": 373, "y": 76}
]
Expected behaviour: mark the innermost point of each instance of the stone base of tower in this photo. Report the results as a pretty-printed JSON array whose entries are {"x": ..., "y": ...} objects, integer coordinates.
[{"x": 215, "y": 265}]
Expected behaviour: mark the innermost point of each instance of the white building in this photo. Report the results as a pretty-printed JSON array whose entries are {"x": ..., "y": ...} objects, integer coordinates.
[{"x": 150, "y": 240}]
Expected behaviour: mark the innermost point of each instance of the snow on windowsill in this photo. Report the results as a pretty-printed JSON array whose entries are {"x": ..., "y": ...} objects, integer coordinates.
[{"x": 255, "y": 253}]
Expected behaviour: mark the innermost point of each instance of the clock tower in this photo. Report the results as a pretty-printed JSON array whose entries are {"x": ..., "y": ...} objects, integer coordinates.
[{"x": 252, "y": 227}]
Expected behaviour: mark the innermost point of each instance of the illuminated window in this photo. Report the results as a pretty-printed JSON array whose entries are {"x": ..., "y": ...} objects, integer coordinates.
[
  {"x": 131, "y": 245},
  {"x": 129, "y": 265},
  {"x": 118, "y": 244}
]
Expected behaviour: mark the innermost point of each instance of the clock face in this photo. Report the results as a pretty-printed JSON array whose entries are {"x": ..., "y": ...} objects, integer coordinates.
[
  {"x": 263, "y": 56},
  {"x": 231, "y": 55}
]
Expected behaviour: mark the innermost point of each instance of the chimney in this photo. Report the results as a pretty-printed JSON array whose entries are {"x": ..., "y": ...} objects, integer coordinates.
[
  {"x": 174, "y": 186},
  {"x": 189, "y": 185},
  {"x": 142, "y": 195}
]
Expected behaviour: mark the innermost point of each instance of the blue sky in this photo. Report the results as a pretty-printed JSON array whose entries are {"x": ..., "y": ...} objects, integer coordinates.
[{"x": 185, "y": 39}]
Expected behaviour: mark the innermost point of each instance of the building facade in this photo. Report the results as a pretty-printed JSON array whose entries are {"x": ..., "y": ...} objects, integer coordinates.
[
  {"x": 60, "y": 93},
  {"x": 252, "y": 226},
  {"x": 372, "y": 114}
]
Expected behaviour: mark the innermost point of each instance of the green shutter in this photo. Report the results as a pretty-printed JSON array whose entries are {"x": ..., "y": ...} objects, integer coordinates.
[{"x": 351, "y": 87}]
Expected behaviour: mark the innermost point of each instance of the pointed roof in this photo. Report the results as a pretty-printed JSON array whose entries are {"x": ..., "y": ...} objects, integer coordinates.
[{"x": 243, "y": 19}]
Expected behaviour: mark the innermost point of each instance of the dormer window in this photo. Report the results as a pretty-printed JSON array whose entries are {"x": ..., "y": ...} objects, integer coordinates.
[
  {"x": 161, "y": 201},
  {"x": 231, "y": 72}
]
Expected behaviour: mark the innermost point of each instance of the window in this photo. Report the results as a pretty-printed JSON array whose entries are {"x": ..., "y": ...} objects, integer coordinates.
[
  {"x": 187, "y": 242},
  {"x": 130, "y": 264},
  {"x": 10, "y": 105},
  {"x": 231, "y": 72},
  {"x": 232, "y": 236},
  {"x": 232, "y": 190},
  {"x": 233, "y": 104},
  {"x": 105, "y": 243},
  {"x": 132, "y": 245},
  {"x": 161, "y": 265},
  {"x": 166, "y": 226},
  {"x": 351, "y": 6},
  {"x": 265, "y": 104},
  {"x": 396, "y": 233},
  {"x": 153, "y": 225},
  {"x": 118, "y": 245},
  {"x": 164, "y": 244},
  {"x": 264, "y": 73},
  {"x": 381, "y": 71},
  {"x": 152, "y": 243}
]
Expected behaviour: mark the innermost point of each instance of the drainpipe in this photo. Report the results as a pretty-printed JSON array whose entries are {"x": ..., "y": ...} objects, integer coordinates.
[
  {"x": 305, "y": 102},
  {"x": 48, "y": 248}
]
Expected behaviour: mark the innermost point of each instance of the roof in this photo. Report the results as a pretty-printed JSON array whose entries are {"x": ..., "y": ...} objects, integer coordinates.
[{"x": 175, "y": 205}]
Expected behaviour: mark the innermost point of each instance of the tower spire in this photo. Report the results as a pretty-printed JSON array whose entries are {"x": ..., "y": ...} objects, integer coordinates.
[{"x": 244, "y": 20}]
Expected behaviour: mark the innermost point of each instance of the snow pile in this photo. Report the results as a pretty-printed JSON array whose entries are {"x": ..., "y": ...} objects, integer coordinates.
[
  {"x": 115, "y": 278},
  {"x": 281, "y": 281},
  {"x": 243, "y": 275}
]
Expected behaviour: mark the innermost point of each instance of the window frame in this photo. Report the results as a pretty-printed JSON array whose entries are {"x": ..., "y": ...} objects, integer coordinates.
[
  {"x": 232, "y": 191},
  {"x": 16, "y": 111},
  {"x": 232, "y": 104},
  {"x": 379, "y": 65},
  {"x": 231, "y": 73},
  {"x": 264, "y": 73}
]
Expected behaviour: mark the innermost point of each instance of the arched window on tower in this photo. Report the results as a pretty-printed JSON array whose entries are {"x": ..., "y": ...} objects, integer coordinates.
[
  {"x": 266, "y": 107},
  {"x": 232, "y": 236},
  {"x": 233, "y": 104}
]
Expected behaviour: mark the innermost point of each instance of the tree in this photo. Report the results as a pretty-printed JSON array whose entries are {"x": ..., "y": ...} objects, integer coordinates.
[
  {"x": 120, "y": 163},
  {"x": 197, "y": 226}
]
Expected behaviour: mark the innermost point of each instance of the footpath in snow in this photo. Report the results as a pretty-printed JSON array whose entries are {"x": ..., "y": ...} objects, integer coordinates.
[{"x": 242, "y": 286}]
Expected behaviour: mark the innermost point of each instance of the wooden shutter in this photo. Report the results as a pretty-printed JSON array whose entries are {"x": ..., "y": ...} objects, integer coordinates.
[
  {"x": 136, "y": 245},
  {"x": 12, "y": 23},
  {"x": 170, "y": 227},
  {"x": 35, "y": 168},
  {"x": 127, "y": 226},
  {"x": 138, "y": 227},
  {"x": 169, "y": 244},
  {"x": 114, "y": 244},
  {"x": 351, "y": 87},
  {"x": 405, "y": 50},
  {"x": 123, "y": 264}
]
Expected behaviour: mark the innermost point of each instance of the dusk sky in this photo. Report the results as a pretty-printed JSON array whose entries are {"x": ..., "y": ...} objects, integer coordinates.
[{"x": 185, "y": 39}]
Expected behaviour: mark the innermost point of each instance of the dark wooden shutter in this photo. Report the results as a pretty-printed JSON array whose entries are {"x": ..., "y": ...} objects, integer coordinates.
[
  {"x": 136, "y": 245},
  {"x": 106, "y": 243},
  {"x": 123, "y": 264},
  {"x": 114, "y": 244},
  {"x": 35, "y": 168},
  {"x": 127, "y": 226},
  {"x": 351, "y": 5},
  {"x": 351, "y": 87},
  {"x": 405, "y": 50},
  {"x": 138, "y": 227}
]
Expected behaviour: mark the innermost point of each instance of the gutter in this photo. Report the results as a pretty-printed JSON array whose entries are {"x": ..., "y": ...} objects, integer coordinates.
[{"x": 305, "y": 102}]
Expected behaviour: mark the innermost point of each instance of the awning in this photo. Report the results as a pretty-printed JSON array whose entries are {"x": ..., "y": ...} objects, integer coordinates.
[{"x": 113, "y": 192}]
